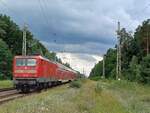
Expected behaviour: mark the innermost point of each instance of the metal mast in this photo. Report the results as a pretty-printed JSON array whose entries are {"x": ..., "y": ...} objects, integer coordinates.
[
  {"x": 147, "y": 39},
  {"x": 24, "y": 50},
  {"x": 104, "y": 66},
  {"x": 118, "y": 67}
]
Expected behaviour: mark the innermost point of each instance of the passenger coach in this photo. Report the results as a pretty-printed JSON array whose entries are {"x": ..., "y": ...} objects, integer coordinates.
[{"x": 37, "y": 72}]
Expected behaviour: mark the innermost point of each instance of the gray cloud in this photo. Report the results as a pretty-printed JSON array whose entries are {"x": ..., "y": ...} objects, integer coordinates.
[
  {"x": 86, "y": 48},
  {"x": 81, "y": 26}
]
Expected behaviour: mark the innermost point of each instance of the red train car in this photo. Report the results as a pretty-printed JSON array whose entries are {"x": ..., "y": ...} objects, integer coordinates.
[{"x": 37, "y": 72}]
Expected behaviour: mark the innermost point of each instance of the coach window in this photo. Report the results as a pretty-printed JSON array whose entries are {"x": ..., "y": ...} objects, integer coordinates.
[{"x": 31, "y": 62}]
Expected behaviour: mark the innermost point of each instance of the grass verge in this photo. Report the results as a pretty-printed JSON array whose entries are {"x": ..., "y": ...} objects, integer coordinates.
[
  {"x": 133, "y": 96},
  {"x": 6, "y": 84}
]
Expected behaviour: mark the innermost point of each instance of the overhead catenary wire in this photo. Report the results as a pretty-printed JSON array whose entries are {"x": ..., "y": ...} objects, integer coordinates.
[
  {"x": 10, "y": 9},
  {"x": 45, "y": 3},
  {"x": 43, "y": 7},
  {"x": 23, "y": 20},
  {"x": 43, "y": 12}
]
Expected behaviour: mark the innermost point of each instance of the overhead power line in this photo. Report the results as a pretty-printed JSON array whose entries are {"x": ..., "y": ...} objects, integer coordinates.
[
  {"x": 43, "y": 12},
  {"x": 13, "y": 12},
  {"x": 10, "y": 9}
]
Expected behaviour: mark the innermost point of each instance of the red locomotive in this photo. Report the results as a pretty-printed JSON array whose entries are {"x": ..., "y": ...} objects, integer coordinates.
[{"x": 37, "y": 72}]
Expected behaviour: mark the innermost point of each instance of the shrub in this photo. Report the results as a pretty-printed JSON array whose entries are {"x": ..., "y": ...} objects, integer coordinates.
[
  {"x": 96, "y": 78},
  {"x": 76, "y": 84}
]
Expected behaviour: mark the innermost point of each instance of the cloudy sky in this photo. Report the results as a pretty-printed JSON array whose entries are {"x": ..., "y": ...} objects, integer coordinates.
[{"x": 84, "y": 29}]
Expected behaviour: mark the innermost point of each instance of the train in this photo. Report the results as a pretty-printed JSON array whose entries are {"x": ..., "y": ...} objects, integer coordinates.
[{"x": 37, "y": 72}]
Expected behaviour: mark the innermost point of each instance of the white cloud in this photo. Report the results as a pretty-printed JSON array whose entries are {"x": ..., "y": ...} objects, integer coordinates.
[{"x": 80, "y": 62}]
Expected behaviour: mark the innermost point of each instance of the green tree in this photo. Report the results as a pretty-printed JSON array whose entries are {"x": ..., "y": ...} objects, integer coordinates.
[
  {"x": 5, "y": 61},
  {"x": 110, "y": 65},
  {"x": 145, "y": 70},
  {"x": 110, "y": 62},
  {"x": 12, "y": 34},
  {"x": 134, "y": 70},
  {"x": 51, "y": 56},
  {"x": 2, "y": 27},
  {"x": 141, "y": 34},
  {"x": 97, "y": 70},
  {"x": 126, "y": 48}
]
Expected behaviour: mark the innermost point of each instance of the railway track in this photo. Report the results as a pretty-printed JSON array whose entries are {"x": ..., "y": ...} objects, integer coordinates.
[
  {"x": 8, "y": 94},
  {"x": 7, "y": 89}
]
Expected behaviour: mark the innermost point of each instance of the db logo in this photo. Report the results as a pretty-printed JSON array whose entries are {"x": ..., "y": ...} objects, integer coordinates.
[{"x": 25, "y": 67}]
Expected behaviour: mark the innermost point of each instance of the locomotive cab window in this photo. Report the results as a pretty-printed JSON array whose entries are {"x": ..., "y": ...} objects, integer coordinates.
[
  {"x": 20, "y": 62},
  {"x": 31, "y": 62},
  {"x": 25, "y": 62}
]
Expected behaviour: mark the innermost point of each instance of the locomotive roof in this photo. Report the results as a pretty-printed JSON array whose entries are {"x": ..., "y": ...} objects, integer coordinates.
[{"x": 36, "y": 56}]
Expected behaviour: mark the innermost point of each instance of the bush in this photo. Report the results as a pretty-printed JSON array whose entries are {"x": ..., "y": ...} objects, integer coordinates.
[
  {"x": 76, "y": 84},
  {"x": 96, "y": 78}
]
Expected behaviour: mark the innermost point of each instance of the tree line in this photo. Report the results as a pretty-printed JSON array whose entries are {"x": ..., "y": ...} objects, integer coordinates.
[
  {"x": 135, "y": 56},
  {"x": 11, "y": 44}
]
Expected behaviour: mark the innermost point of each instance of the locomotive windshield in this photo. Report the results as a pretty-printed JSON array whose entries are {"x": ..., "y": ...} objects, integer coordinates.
[{"x": 25, "y": 62}]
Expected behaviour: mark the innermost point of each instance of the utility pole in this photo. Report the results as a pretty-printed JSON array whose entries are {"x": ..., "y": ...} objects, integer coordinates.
[
  {"x": 147, "y": 40},
  {"x": 104, "y": 66},
  {"x": 118, "y": 67},
  {"x": 24, "y": 44},
  {"x": 83, "y": 71},
  {"x": 147, "y": 44}
]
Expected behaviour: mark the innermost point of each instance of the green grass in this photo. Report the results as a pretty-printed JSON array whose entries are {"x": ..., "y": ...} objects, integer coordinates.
[
  {"x": 91, "y": 97},
  {"x": 133, "y": 96},
  {"x": 6, "y": 84}
]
